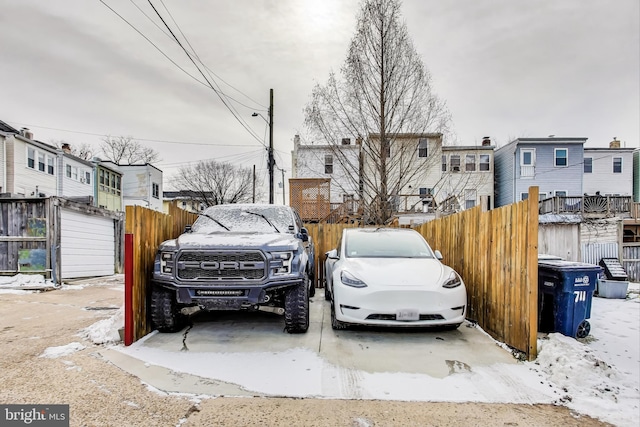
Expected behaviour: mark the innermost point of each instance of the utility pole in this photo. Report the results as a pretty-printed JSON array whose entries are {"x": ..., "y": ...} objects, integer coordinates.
[
  {"x": 271, "y": 161},
  {"x": 254, "y": 184},
  {"x": 283, "y": 187}
]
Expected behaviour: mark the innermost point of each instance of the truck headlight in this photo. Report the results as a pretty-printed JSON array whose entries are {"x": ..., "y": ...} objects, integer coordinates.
[
  {"x": 166, "y": 262},
  {"x": 281, "y": 262}
]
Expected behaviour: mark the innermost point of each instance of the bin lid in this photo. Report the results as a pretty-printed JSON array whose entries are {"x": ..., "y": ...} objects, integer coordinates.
[{"x": 562, "y": 265}]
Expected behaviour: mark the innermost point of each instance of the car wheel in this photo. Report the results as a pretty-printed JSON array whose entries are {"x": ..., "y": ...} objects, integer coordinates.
[
  {"x": 296, "y": 308},
  {"x": 336, "y": 324},
  {"x": 165, "y": 312}
]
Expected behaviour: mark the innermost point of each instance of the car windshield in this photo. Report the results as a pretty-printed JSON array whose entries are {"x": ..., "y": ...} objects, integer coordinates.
[
  {"x": 386, "y": 244},
  {"x": 245, "y": 218}
]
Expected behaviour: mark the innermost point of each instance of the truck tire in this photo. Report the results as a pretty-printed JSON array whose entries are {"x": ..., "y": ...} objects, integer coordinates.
[
  {"x": 165, "y": 312},
  {"x": 296, "y": 308}
]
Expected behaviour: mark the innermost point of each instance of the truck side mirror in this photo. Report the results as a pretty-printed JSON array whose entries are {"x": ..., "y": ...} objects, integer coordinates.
[
  {"x": 304, "y": 234},
  {"x": 187, "y": 228}
]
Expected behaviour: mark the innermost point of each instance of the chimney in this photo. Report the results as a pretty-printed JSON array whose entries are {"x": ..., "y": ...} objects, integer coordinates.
[
  {"x": 486, "y": 141},
  {"x": 26, "y": 133},
  {"x": 615, "y": 143},
  {"x": 66, "y": 147}
]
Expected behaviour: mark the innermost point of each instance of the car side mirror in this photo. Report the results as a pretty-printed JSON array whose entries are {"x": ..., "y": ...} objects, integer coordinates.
[
  {"x": 438, "y": 255},
  {"x": 332, "y": 254},
  {"x": 304, "y": 234},
  {"x": 187, "y": 228}
]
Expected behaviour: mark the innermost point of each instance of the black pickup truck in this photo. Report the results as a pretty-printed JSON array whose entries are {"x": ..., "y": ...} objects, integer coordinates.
[{"x": 236, "y": 257}]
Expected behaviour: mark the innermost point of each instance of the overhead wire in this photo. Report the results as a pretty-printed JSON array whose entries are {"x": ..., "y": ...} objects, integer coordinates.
[{"x": 222, "y": 99}]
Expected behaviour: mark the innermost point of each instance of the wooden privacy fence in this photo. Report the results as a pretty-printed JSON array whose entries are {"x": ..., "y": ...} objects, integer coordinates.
[
  {"x": 149, "y": 228},
  {"x": 495, "y": 252}
]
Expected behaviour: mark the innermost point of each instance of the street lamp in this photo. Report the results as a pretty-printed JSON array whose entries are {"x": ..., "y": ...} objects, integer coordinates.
[{"x": 270, "y": 160}]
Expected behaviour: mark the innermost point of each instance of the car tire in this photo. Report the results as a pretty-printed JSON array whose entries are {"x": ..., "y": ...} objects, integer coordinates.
[
  {"x": 327, "y": 292},
  {"x": 336, "y": 324},
  {"x": 165, "y": 312},
  {"x": 296, "y": 308}
]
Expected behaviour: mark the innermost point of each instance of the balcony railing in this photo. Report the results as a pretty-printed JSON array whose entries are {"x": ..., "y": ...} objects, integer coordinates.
[{"x": 590, "y": 206}]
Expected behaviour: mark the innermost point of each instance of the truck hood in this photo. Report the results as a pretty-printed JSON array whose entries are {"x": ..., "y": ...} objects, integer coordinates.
[{"x": 232, "y": 240}]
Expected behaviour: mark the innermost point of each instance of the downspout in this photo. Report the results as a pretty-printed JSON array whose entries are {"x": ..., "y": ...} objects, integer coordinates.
[{"x": 4, "y": 169}]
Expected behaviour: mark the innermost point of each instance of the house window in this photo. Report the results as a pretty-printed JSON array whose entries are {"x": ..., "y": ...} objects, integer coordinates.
[
  {"x": 68, "y": 171},
  {"x": 87, "y": 177},
  {"x": 588, "y": 165},
  {"x": 346, "y": 141},
  {"x": 528, "y": 162},
  {"x": 469, "y": 199},
  {"x": 387, "y": 148},
  {"x": 485, "y": 162},
  {"x": 41, "y": 162},
  {"x": 470, "y": 163},
  {"x": 328, "y": 163},
  {"x": 101, "y": 178},
  {"x": 50, "y": 167},
  {"x": 524, "y": 196},
  {"x": 426, "y": 192},
  {"x": 423, "y": 147},
  {"x": 455, "y": 163},
  {"x": 617, "y": 165},
  {"x": 31, "y": 158},
  {"x": 155, "y": 190},
  {"x": 560, "y": 193},
  {"x": 561, "y": 156},
  {"x": 74, "y": 173},
  {"x": 118, "y": 178},
  {"x": 444, "y": 163},
  {"x": 542, "y": 196}
]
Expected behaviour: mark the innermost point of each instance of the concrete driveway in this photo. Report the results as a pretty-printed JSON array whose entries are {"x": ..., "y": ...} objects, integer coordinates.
[{"x": 233, "y": 353}]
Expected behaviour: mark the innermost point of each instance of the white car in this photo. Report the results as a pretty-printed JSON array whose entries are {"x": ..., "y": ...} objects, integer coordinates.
[{"x": 391, "y": 277}]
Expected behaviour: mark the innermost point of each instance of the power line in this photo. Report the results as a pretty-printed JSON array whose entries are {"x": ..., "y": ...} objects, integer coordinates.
[
  {"x": 230, "y": 108},
  {"x": 132, "y": 137}
]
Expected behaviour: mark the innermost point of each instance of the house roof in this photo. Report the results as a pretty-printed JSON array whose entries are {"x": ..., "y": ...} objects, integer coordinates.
[
  {"x": 7, "y": 128},
  {"x": 185, "y": 194},
  {"x": 468, "y": 147},
  {"x": 548, "y": 140}
]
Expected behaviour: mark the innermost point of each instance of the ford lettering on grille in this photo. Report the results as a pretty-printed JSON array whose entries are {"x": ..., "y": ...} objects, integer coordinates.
[{"x": 220, "y": 266}]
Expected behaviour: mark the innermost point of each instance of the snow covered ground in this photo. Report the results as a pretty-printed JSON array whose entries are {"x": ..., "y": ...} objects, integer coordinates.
[{"x": 598, "y": 376}]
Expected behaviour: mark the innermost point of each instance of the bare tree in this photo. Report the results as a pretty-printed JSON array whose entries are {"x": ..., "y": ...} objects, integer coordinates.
[
  {"x": 83, "y": 151},
  {"x": 124, "y": 150},
  {"x": 214, "y": 183},
  {"x": 384, "y": 91}
]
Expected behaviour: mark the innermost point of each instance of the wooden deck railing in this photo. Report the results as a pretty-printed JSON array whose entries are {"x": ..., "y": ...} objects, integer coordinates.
[{"x": 593, "y": 206}]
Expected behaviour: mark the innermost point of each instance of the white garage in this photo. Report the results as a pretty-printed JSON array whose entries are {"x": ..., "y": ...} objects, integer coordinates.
[{"x": 87, "y": 245}]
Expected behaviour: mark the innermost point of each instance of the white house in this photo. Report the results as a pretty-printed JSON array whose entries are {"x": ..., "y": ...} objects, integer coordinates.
[
  {"x": 142, "y": 186},
  {"x": 27, "y": 167},
  {"x": 76, "y": 177},
  {"x": 608, "y": 171},
  {"x": 340, "y": 163}
]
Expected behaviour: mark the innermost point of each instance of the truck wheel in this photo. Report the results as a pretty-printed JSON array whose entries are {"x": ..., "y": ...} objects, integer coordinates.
[
  {"x": 296, "y": 308},
  {"x": 312, "y": 287},
  {"x": 165, "y": 312}
]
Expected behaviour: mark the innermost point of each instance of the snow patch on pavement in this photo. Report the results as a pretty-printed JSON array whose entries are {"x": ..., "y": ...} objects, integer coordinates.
[{"x": 63, "y": 350}]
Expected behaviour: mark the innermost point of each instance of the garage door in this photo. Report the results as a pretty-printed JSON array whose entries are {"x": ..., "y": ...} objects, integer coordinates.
[{"x": 87, "y": 245}]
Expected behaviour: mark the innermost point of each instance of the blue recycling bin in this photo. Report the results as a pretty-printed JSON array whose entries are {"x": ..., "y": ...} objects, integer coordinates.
[{"x": 565, "y": 292}]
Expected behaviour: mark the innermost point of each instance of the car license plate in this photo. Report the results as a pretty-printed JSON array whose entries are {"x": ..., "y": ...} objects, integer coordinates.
[{"x": 407, "y": 314}]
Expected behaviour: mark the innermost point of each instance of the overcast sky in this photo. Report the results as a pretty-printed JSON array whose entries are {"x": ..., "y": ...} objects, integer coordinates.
[{"x": 506, "y": 68}]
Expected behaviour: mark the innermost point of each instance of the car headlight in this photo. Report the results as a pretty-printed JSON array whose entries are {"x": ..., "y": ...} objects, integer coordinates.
[
  {"x": 166, "y": 262},
  {"x": 350, "y": 280},
  {"x": 453, "y": 281},
  {"x": 281, "y": 262}
]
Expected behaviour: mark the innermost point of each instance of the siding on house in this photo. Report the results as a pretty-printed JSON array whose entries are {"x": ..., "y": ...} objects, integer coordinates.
[
  {"x": 138, "y": 185},
  {"x": 602, "y": 178},
  {"x": 464, "y": 184},
  {"x": 76, "y": 177},
  {"x": 309, "y": 162},
  {"x": 549, "y": 178},
  {"x": 22, "y": 179}
]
